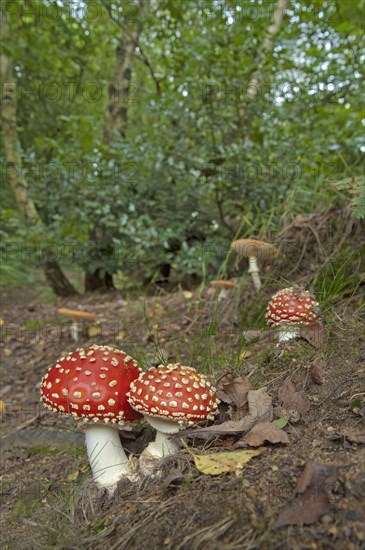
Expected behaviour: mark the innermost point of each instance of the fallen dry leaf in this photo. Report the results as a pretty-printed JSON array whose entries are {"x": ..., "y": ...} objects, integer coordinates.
[
  {"x": 2, "y": 410},
  {"x": 317, "y": 374},
  {"x": 314, "y": 333},
  {"x": 293, "y": 399},
  {"x": 260, "y": 409},
  {"x": 316, "y": 475},
  {"x": 351, "y": 436},
  {"x": 227, "y": 461},
  {"x": 313, "y": 487},
  {"x": 234, "y": 393},
  {"x": 305, "y": 510},
  {"x": 93, "y": 330},
  {"x": 263, "y": 335},
  {"x": 264, "y": 431}
]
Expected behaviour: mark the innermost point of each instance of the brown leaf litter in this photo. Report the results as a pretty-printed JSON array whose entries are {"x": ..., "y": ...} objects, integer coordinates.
[
  {"x": 260, "y": 409},
  {"x": 293, "y": 400},
  {"x": 314, "y": 486},
  {"x": 234, "y": 393},
  {"x": 263, "y": 431}
]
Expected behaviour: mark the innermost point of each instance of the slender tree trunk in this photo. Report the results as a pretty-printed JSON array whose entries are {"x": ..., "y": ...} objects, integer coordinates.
[
  {"x": 116, "y": 114},
  {"x": 115, "y": 123},
  {"x": 267, "y": 47},
  {"x": 16, "y": 178},
  {"x": 254, "y": 86}
]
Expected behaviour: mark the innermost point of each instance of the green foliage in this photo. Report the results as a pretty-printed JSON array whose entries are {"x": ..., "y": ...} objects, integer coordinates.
[
  {"x": 200, "y": 162},
  {"x": 355, "y": 187},
  {"x": 14, "y": 270}
]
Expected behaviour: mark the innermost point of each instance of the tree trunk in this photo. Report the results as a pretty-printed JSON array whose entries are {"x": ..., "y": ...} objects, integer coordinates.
[
  {"x": 267, "y": 47},
  {"x": 57, "y": 280},
  {"x": 15, "y": 175},
  {"x": 116, "y": 114},
  {"x": 115, "y": 121},
  {"x": 98, "y": 280},
  {"x": 255, "y": 83}
]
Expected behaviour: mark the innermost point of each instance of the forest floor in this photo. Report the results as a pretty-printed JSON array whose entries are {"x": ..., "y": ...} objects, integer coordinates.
[{"x": 48, "y": 498}]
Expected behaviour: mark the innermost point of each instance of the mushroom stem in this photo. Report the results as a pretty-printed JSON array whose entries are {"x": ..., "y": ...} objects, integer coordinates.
[
  {"x": 254, "y": 271},
  {"x": 288, "y": 333},
  {"x": 107, "y": 458},
  {"x": 74, "y": 331},
  {"x": 163, "y": 446}
]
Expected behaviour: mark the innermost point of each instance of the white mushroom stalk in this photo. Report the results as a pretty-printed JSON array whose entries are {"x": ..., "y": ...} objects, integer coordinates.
[
  {"x": 288, "y": 333},
  {"x": 163, "y": 445},
  {"x": 254, "y": 271},
  {"x": 108, "y": 461}
]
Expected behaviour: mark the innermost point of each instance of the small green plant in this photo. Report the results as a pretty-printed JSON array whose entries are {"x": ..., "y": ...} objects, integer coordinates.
[
  {"x": 355, "y": 187},
  {"x": 336, "y": 279}
]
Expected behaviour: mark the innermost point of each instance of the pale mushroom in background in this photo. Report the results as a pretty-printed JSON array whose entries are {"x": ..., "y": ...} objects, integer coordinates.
[
  {"x": 75, "y": 315},
  {"x": 253, "y": 249},
  {"x": 224, "y": 286}
]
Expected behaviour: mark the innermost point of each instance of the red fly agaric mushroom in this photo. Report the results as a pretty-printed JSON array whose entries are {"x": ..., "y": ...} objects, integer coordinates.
[
  {"x": 170, "y": 397},
  {"x": 92, "y": 384},
  {"x": 253, "y": 249},
  {"x": 289, "y": 309}
]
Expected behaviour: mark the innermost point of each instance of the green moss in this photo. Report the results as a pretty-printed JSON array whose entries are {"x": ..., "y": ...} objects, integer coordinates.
[
  {"x": 37, "y": 323},
  {"x": 43, "y": 450}
]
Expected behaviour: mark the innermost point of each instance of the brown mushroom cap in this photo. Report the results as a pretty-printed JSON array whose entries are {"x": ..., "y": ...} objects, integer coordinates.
[
  {"x": 75, "y": 313},
  {"x": 223, "y": 283},
  {"x": 249, "y": 248}
]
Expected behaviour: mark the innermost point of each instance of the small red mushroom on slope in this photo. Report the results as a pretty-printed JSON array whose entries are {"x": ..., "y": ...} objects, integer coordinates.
[
  {"x": 92, "y": 384},
  {"x": 291, "y": 308},
  {"x": 170, "y": 397}
]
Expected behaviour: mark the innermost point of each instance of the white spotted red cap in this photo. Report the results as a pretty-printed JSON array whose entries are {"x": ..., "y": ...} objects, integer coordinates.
[
  {"x": 290, "y": 308},
  {"x": 92, "y": 384},
  {"x": 292, "y": 305},
  {"x": 174, "y": 392}
]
